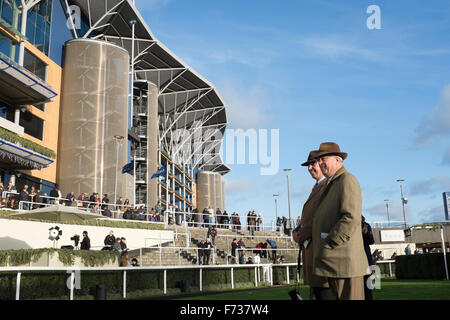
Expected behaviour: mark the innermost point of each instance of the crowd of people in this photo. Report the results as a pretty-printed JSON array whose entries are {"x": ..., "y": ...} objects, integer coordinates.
[
  {"x": 266, "y": 249},
  {"x": 111, "y": 243},
  {"x": 33, "y": 198}
]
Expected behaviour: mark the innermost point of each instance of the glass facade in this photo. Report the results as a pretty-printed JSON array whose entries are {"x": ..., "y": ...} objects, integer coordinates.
[
  {"x": 9, "y": 48},
  {"x": 38, "y": 25},
  {"x": 10, "y": 12},
  {"x": 35, "y": 65},
  {"x": 34, "y": 126}
]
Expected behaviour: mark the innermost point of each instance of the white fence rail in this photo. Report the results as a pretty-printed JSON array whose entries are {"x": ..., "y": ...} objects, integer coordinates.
[
  {"x": 266, "y": 269},
  {"x": 263, "y": 272}
]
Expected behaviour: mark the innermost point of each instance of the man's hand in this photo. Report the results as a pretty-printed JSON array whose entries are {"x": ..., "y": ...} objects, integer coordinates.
[{"x": 296, "y": 236}]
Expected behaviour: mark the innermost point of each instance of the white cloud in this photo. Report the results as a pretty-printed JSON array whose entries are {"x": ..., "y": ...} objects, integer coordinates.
[
  {"x": 336, "y": 48},
  {"x": 435, "y": 125},
  {"x": 246, "y": 107},
  {"x": 434, "y": 185},
  {"x": 237, "y": 186}
]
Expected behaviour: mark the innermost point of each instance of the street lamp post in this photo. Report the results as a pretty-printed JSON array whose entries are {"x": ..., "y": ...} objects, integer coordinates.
[
  {"x": 289, "y": 195},
  {"x": 118, "y": 139},
  {"x": 387, "y": 211},
  {"x": 404, "y": 200},
  {"x": 276, "y": 209}
]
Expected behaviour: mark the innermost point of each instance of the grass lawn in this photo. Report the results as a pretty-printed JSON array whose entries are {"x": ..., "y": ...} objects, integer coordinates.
[{"x": 391, "y": 289}]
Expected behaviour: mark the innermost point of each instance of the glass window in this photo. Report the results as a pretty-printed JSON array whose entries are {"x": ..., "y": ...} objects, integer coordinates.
[
  {"x": 7, "y": 11},
  {"x": 40, "y": 106},
  {"x": 38, "y": 25},
  {"x": 8, "y": 47},
  {"x": 32, "y": 125},
  {"x": 35, "y": 65}
]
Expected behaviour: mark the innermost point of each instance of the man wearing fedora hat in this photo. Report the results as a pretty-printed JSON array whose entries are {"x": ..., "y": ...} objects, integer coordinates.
[
  {"x": 319, "y": 288},
  {"x": 339, "y": 253}
]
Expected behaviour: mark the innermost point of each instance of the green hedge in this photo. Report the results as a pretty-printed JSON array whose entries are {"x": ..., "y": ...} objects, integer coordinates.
[
  {"x": 15, "y": 138},
  {"x": 52, "y": 284},
  {"x": 280, "y": 276},
  {"x": 67, "y": 257},
  {"x": 421, "y": 266},
  {"x": 93, "y": 222}
]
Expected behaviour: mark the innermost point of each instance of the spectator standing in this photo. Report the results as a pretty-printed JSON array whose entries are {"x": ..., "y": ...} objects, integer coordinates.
[
  {"x": 117, "y": 247},
  {"x": 70, "y": 198},
  {"x": 339, "y": 252},
  {"x": 24, "y": 196},
  {"x": 210, "y": 215},
  {"x": 212, "y": 233},
  {"x": 195, "y": 217},
  {"x": 208, "y": 247},
  {"x": 123, "y": 245},
  {"x": 234, "y": 246},
  {"x": 408, "y": 250},
  {"x": 118, "y": 208},
  {"x": 86, "y": 243},
  {"x": 368, "y": 240},
  {"x": 272, "y": 253},
  {"x": 225, "y": 219},
  {"x": 105, "y": 202},
  {"x": 109, "y": 241},
  {"x": 201, "y": 250},
  {"x": 302, "y": 234},
  {"x": 37, "y": 199}
]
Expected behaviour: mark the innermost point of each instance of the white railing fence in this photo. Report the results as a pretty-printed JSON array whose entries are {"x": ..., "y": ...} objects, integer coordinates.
[{"x": 263, "y": 272}]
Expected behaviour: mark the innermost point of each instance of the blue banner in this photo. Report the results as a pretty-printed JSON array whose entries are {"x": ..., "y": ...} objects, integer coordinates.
[
  {"x": 160, "y": 172},
  {"x": 128, "y": 167},
  {"x": 447, "y": 205}
]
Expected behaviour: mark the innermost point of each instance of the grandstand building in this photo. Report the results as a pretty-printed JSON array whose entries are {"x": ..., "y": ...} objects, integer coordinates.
[{"x": 91, "y": 101}]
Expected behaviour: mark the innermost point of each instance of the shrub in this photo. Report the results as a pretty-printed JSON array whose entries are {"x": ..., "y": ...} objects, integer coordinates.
[{"x": 421, "y": 266}]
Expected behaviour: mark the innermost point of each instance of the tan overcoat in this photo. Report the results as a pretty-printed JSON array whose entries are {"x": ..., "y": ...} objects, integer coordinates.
[
  {"x": 337, "y": 223},
  {"x": 305, "y": 232}
]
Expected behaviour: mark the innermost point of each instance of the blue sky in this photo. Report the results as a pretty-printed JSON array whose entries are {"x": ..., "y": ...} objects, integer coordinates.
[{"x": 313, "y": 70}]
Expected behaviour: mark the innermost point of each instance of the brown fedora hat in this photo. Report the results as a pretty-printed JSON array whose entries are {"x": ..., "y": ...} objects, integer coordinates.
[
  {"x": 330, "y": 148},
  {"x": 311, "y": 158}
]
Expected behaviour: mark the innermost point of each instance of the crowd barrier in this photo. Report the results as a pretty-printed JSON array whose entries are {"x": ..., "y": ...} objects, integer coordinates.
[
  {"x": 263, "y": 272},
  {"x": 179, "y": 218}
]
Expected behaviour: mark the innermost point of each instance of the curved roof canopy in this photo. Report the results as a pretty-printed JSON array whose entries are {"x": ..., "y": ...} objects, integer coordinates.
[{"x": 187, "y": 102}]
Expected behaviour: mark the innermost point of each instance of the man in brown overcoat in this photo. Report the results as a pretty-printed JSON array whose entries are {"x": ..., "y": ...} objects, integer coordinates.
[
  {"x": 319, "y": 288},
  {"x": 339, "y": 254}
]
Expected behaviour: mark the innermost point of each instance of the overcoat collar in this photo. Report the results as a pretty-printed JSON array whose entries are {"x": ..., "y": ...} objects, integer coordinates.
[
  {"x": 325, "y": 188},
  {"x": 336, "y": 175}
]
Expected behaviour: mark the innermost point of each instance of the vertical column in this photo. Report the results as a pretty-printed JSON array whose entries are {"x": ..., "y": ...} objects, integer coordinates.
[{"x": 152, "y": 145}]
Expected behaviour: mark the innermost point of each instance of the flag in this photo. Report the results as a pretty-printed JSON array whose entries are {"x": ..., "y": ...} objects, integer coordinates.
[
  {"x": 160, "y": 172},
  {"x": 128, "y": 167}
]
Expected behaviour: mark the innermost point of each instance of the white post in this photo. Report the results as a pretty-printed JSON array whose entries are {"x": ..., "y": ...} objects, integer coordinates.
[
  {"x": 443, "y": 250},
  {"x": 165, "y": 281},
  {"x": 124, "y": 284},
  {"x": 72, "y": 280},
  {"x": 256, "y": 276},
  {"x": 271, "y": 274},
  {"x": 201, "y": 280},
  {"x": 287, "y": 274},
  {"x": 390, "y": 269},
  {"x": 19, "y": 275},
  {"x": 232, "y": 278}
]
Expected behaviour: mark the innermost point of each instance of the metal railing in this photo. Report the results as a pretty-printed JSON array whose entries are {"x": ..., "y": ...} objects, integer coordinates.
[{"x": 265, "y": 269}]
